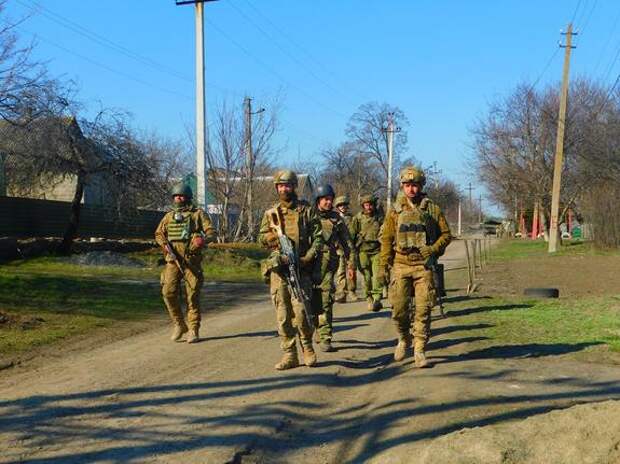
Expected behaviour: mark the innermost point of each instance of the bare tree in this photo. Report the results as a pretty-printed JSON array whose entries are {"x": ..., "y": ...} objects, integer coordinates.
[{"x": 366, "y": 129}]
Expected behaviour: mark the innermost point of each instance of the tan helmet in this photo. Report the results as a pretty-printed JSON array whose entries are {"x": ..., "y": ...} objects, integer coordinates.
[
  {"x": 412, "y": 174},
  {"x": 367, "y": 199},
  {"x": 341, "y": 200},
  {"x": 285, "y": 177}
]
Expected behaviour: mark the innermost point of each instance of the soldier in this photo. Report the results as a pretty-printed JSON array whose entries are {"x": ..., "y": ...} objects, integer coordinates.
[
  {"x": 182, "y": 234},
  {"x": 302, "y": 226},
  {"x": 365, "y": 228},
  {"x": 415, "y": 233},
  {"x": 335, "y": 238},
  {"x": 345, "y": 285}
]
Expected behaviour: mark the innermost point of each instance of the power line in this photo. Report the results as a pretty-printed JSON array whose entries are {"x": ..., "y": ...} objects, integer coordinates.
[
  {"x": 604, "y": 49},
  {"x": 301, "y": 48},
  {"x": 271, "y": 70},
  {"x": 104, "y": 66},
  {"x": 290, "y": 55}
]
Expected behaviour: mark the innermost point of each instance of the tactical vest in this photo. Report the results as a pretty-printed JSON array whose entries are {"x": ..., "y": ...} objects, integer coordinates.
[
  {"x": 411, "y": 227},
  {"x": 328, "y": 228},
  {"x": 291, "y": 224},
  {"x": 179, "y": 227}
]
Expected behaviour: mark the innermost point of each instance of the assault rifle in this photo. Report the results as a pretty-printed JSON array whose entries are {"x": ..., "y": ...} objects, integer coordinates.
[
  {"x": 292, "y": 264},
  {"x": 177, "y": 260},
  {"x": 432, "y": 265}
]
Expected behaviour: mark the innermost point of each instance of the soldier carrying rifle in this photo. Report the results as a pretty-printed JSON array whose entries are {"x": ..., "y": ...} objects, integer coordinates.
[{"x": 292, "y": 230}]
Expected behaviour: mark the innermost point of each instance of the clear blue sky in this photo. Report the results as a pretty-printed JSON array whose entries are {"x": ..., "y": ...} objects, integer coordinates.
[{"x": 442, "y": 62}]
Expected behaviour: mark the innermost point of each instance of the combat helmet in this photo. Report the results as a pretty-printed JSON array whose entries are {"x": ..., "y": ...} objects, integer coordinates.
[
  {"x": 324, "y": 190},
  {"x": 285, "y": 176},
  {"x": 367, "y": 199},
  {"x": 412, "y": 174},
  {"x": 341, "y": 200},
  {"x": 181, "y": 188}
]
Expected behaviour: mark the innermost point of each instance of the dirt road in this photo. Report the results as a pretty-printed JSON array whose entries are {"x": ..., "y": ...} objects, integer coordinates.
[{"x": 145, "y": 399}]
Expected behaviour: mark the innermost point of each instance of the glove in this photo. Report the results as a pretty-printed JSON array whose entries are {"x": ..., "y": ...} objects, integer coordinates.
[
  {"x": 426, "y": 252},
  {"x": 198, "y": 242}
]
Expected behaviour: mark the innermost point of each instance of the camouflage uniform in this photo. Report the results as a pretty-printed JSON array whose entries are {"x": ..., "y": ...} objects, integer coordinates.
[
  {"x": 365, "y": 235},
  {"x": 407, "y": 247},
  {"x": 303, "y": 228},
  {"x": 182, "y": 227},
  {"x": 345, "y": 286},
  {"x": 335, "y": 237}
]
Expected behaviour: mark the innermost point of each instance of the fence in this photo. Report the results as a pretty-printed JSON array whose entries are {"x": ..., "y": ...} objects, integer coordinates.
[{"x": 26, "y": 217}]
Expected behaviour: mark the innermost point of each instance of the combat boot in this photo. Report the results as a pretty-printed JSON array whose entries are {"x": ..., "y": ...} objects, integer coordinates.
[
  {"x": 288, "y": 361},
  {"x": 178, "y": 331},
  {"x": 309, "y": 356},
  {"x": 420, "y": 360},
  {"x": 193, "y": 337},
  {"x": 351, "y": 297},
  {"x": 340, "y": 299},
  {"x": 404, "y": 344},
  {"x": 326, "y": 346},
  {"x": 377, "y": 305},
  {"x": 371, "y": 304}
]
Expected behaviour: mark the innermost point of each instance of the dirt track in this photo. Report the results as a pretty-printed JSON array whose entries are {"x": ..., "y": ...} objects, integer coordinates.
[{"x": 145, "y": 399}]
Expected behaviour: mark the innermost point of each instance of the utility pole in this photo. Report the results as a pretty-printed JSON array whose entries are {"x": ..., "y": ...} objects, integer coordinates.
[
  {"x": 434, "y": 173},
  {"x": 459, "y": 221},
  {"x": 247, "y": 106},
  {"x": 559, "y": 145},
  {"x": 201, "y": 114},
  {"x": 480, "y": 209},
  {"x": 390, "y": 130}
]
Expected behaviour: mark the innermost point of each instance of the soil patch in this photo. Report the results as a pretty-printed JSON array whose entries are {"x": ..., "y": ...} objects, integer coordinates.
[
  {"x": 19, "y": 322},
  {"x": 574, "y": 276},
  {"x": 586, "y": 433}
]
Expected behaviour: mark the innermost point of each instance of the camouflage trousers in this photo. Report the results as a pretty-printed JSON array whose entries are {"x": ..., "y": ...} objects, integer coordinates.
[
  {"x": 171, "y": 280},
  {"x": 369, "y": 265},
  {"x": 344, "y": 285},
  {"x": 290, "y": 313},
  {"x": 408, "y": 281},
  {"x": 323, "y": 301}
]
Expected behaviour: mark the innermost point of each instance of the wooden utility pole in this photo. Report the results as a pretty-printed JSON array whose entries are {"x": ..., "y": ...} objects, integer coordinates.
[
  {"x": 459, "y": 231},
  {"x": 247, "y": 108},
  {"x": 559, "y": 145}
]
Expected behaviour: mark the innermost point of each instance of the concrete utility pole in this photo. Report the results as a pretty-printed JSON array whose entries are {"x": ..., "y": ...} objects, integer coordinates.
[
  {"x": 247, "y": 106},
  {"x": 459, "y": 221},
  {"x": 559, "y": 145},
  {"x": 390, "y": 130},
  {"x": 201, "y": 114},
  {"x": 480, "y": 209}
]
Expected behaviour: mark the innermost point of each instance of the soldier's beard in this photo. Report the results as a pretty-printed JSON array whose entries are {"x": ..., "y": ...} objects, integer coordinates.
[{"x": 287, "y": 196}]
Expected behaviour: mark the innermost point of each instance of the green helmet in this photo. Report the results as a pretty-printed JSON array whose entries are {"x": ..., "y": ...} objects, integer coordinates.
[
  {"x": 182, "y": 188},
  {"x": 367, "y": 199},
  {"x": 341, "y": 200},
  {"x": 412, "y": 174},
  {"x": 285, "y": 177}
]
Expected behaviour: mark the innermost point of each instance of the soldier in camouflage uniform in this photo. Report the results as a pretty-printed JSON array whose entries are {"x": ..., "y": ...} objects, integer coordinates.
[
  {"x": 335, "y": 238},
  {"x": 184, "y": 231},
  {"x": 302, "y": 226},
  {"x": 345, "y": 284},
  {"x": 415, "y": 232},
  {"x": 365, "y": 228}
]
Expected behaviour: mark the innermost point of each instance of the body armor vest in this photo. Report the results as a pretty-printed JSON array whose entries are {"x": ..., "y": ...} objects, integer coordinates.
[
  {"x": 411, "y": 230},
  {"x": 369, "y": 228},
  {"x": 179, "y": 228}
]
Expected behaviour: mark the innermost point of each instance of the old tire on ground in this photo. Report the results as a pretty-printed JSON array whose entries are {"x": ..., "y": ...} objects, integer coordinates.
[{"x": 542, "y": 292}]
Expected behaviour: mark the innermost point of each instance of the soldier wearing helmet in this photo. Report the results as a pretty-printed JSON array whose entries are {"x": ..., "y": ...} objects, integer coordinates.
[
  {"x": 346, "y": 283},
  {"x": 415, "y": 233},
  {"x": 365, "y": 227},
  {"x": 302, "y": 226},
  {"x": 182, "y": 234},
  {"x": 335, "y": 237}
]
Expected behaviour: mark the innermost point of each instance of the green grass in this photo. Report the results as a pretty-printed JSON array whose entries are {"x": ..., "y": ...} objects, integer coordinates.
[
  {"x": 50, "y": 298},
  {"x": 593, "y": 320},
  {"x": 523, "y": 249}
]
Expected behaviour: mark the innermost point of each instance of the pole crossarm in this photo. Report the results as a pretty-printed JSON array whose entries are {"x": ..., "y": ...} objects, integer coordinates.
[{"x": 192, "y": 2}]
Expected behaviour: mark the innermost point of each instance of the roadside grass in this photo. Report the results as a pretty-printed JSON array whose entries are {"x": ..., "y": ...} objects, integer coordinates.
[
  {"x": 46, "y": 299},
  {"x": 593, "y": 320},
  {"x": 523, "y": 249}
]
